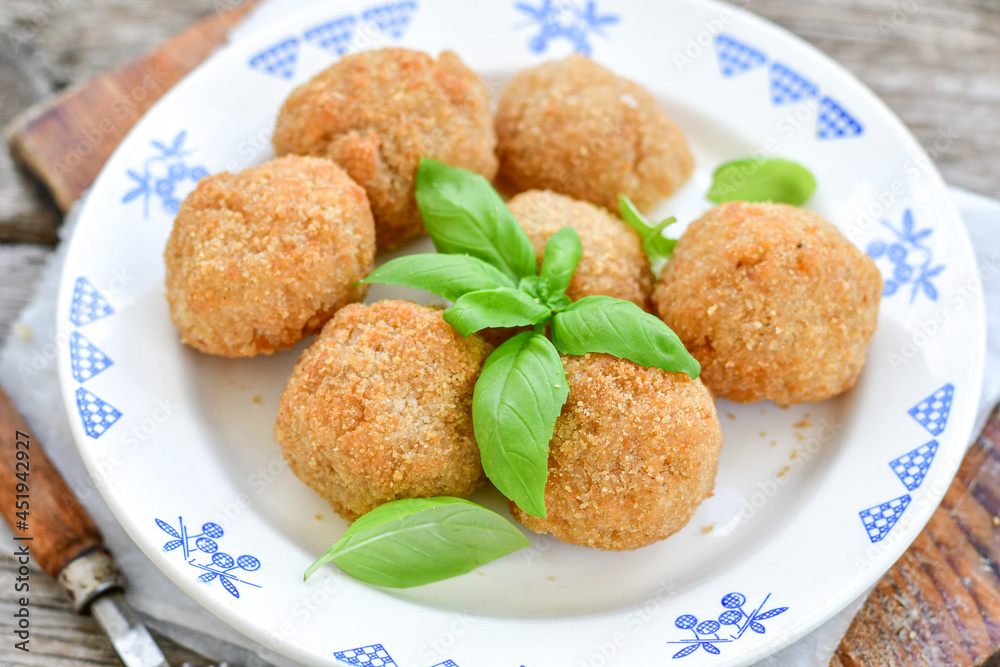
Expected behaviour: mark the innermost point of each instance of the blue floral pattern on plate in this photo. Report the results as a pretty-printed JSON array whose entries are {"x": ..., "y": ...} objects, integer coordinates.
[
  {"x": 162, "y": 173},
  {"x": 911, "y": 258},
  {"x": 574, "y": 22},
  {"x": 708, "y": 633},
  {"x": 219, "y": 565}
]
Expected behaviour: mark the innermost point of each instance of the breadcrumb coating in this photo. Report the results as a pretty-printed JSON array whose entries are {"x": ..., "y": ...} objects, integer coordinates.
[
  {"x": 260, "y": 259},
  {"x": 574, "y": 127},
  {"x": 379, "y": 408},
  {"x": 613, "y": 262},
  {"x": 773, "y": 301},
  {"x": 634, "y": 453},
  {"x": 377, "y": 113}
]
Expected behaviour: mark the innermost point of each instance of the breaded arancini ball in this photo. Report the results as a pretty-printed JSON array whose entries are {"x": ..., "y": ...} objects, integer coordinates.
[
  {"x": 379, "y": 408},
  {"x": 377, "y": 113},
  {"x": 634, "y": 453},
  {"x": 773, "y": 301},
  {"x": 574, "y": 127},
  {"x": 613, "y": 262},
  {"x": 260, "y": 259}
]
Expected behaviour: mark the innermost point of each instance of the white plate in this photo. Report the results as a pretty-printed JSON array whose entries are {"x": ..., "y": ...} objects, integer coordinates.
[{"x": 811, "y": 504}]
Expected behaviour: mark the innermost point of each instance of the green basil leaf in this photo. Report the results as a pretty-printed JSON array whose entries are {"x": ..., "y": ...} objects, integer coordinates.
[
  {"x": 501, "y": 307},
  {"x": 562, "y": 253},
  {"x": 448, "y": 276},
  {"x": 657, "y": 247},
  {"x": 621, "y": 328},
  {"x": 417, "y": 541},
  {"x": 774, "y": 179},
  {"x": 464, "y": 215},
  {"x": 517, "y": 399}
]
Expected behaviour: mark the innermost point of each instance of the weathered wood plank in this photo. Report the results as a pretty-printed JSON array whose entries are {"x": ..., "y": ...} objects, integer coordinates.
[
  {"x": 20, "y": 267},
  {"x": 66, "y": 141},
  {"x": 59, "y": 637},
  {"x": 940, "y": 603}
]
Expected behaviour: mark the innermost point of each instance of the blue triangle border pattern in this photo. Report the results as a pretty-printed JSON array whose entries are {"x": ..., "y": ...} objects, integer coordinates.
[
  {"x": 736, "y": 57},
  {"x": 281, "y": 58},
  {"x": 97, "y": 415},
  {"x": 278, "y": 59},
  {"x": 879, "y": 519},
  {"x": 372, "y": 655},
  {"x": 787, "y": 86},
  {"x": 835, "y": 122},
  {"x": 392, "y": 18},
  {"x": 932, "y": 412},
  {"x": 912, "y": 467},
  {"x": 86, "y": 359},
  {"x": 334, "y": 36},
  {"x": 88, "y": 304}
]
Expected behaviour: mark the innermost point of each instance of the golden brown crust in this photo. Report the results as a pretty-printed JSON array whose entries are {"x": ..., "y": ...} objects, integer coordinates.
[
  {"x": 377, "y": 113},
  {"x": 574, "y": 127},
  {"x": 773, "y": 301},
  {"x": 379, "y": 408},
  {"x": 634, "y": 453},
  {"x": 260, "y": 259},
  {"x": 613, "y": 262}
]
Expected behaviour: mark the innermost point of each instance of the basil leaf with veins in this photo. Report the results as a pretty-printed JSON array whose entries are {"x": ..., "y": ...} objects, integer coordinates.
[
  {"x": 501, "y": 307},
  {"x": 517, "y": 400},
  {"x": 447, "y": 276},
  {"x": 623, "y": 329},
  {"x": 464, "y": 215},
  {"x": 417, "y": 541},
  {"x": 562, "y": 255}
]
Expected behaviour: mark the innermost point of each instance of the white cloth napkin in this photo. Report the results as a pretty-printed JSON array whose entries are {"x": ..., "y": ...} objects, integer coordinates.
[{"x": 157, "y": 597}]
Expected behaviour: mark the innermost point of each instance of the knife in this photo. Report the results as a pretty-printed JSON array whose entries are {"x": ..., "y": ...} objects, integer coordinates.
[{"x": 52, "y": 528}]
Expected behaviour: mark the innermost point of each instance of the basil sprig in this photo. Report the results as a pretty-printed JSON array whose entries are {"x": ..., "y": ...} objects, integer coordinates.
[
  {"x": 522, "y": 387},
  {"x": 417, "y": 541},
  {"x": 759, "y": 180}
]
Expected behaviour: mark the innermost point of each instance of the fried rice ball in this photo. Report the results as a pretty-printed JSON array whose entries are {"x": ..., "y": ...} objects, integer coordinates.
[
  {"x": 773, "y": 301},
  {"x": 574, "y": 127},
  {"x": 260, "y": 259},
  {"x": 634, "y": 453},
  {"x": 613, "y": 262},
  {"x": 379, "y": 408},
  {"x": 377, "y": 113}
]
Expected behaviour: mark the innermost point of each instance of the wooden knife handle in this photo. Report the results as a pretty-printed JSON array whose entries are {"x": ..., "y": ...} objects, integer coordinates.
[{"x": 59, "y": 527}]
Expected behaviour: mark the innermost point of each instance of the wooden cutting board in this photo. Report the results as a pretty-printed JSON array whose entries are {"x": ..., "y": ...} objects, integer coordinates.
[{"x": 938, "y": 605}]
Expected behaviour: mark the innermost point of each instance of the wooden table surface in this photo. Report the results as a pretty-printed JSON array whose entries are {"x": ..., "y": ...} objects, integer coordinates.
[{"x": 935, "y": 62}]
